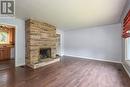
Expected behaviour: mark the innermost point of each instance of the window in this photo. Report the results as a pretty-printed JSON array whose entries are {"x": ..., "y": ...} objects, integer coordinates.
[
  {"x": 127, "y": 48},
  {"x": 127, "y": 51},
  {"x": 4, "y": 38},
  {"x": 126, "y": 26}
]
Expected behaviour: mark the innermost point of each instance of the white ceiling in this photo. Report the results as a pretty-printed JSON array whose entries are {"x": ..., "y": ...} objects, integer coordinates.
[{"x": 71, "y": 14}]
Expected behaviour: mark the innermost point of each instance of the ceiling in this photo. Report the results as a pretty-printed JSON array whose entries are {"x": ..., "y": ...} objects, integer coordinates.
[{"x": 72, "y": 14}]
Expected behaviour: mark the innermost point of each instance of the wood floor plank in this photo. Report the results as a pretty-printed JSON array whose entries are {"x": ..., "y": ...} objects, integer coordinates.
[{"x": 70, "y": 72}]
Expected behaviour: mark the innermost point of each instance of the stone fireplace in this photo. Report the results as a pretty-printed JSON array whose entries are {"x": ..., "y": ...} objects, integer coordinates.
[{"x": 41, "y": 40}]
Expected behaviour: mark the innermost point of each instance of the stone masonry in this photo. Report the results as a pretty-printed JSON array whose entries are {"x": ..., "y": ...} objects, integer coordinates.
[{"x": 39, "y": 35}]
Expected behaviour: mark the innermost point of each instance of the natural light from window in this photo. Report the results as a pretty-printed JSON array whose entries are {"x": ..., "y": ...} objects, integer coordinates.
[{"x": 4, "y": 38}]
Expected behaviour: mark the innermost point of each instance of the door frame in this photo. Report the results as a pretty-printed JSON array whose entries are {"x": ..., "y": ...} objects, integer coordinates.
[{"x": 15, "y": 27}]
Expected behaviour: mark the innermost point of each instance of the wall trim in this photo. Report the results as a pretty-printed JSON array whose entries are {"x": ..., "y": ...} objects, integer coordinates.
[
  {"x": 126, "y": 70},
  {"x": 94, "y": 59}
]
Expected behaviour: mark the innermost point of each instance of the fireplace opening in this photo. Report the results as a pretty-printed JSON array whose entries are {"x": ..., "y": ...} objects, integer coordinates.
[{"x": 45, "y": 53}]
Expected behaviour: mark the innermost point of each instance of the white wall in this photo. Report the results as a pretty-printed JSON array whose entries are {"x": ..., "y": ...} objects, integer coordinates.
[
  {"x": 20, "y": 38},
  {"x": 100, "y": 43},
  {"x": 58, "y": 31}
]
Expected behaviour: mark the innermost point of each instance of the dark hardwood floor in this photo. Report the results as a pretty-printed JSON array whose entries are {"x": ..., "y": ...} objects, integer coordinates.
[{"x": 70, "y": 72}]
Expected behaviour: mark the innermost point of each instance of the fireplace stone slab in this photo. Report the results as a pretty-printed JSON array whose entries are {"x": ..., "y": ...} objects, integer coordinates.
[{"x": 41, "y": 64}]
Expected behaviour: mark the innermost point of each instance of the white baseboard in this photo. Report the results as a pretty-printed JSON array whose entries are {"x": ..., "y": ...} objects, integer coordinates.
[
  {"x": 126, "y": 69},
  {"x": 95, "y": 59}
]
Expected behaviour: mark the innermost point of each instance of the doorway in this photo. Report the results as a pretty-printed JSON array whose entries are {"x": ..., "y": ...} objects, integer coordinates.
[{"x": 7, "y": 46}]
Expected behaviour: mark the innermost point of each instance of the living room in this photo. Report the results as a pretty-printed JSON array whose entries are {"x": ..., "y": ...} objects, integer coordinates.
[{"x": 82, "y": 43}]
